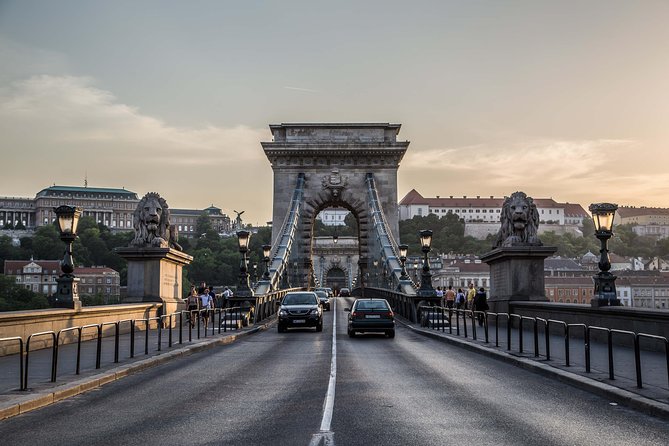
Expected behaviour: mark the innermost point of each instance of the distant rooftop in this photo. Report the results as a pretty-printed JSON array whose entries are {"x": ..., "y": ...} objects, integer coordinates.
[
  {"x": 364, "y": 132},
  {"x": 53, "y": 190}
]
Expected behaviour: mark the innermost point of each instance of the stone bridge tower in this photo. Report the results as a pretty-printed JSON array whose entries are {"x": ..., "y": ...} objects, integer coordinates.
[{"x": 335, "y": 159}]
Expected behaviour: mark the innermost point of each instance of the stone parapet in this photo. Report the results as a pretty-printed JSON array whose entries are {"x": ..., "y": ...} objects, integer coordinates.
[{"x": 25, "y": 323}]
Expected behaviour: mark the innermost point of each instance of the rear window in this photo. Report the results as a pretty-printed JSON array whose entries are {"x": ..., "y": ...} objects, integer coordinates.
[
  {"x": 299, "y": 299},
  {"x": 372, "y": 305}
]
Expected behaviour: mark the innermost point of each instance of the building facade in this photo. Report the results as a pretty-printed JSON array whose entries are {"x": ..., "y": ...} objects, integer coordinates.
[
  {"x": 40, "y": 276},
  {"x": 642, "y": 216},
  {"x": 487, "y": 209},
  {"x": 111, "y": 207}
]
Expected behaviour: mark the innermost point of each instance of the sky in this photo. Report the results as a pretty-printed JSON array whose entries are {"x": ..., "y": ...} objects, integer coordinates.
[{"x": 564, "y": 99}]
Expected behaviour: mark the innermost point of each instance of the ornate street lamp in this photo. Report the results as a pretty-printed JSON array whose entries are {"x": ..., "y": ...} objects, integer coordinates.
[
  {"x": 335, "y": 239},
  {"x": 426, "y": 289},
  {"x": 68, "y": 293},
  {"x": 403, "y": 259},
  {"x": 266, "y": 251},
  {"x": 244, "y": 288},
  {"x": 605, "y": 282}
]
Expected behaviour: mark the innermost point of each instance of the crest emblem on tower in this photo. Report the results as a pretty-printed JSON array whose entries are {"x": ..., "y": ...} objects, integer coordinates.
[{"x": 335, "y": 182}]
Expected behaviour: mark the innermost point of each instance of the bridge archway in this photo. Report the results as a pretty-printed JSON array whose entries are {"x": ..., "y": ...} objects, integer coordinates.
[
  {"x": 336, "y": 278},
  {"x": 334, "y": 160}
]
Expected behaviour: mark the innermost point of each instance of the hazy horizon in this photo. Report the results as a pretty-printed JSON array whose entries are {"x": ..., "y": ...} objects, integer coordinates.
[{"x": 563, "y": 100}]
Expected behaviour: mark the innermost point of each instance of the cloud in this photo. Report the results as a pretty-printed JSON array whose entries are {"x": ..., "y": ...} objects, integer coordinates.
[
  {"x": 57, "y": 127},
  {"x": 307, "y": 90},
  {"x": 571, "y": 170}
]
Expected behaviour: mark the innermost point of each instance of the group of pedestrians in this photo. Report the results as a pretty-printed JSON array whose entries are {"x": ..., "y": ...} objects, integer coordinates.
[
  {"x": 476, "y": 300},
  {"x": 203, "y": 299}
]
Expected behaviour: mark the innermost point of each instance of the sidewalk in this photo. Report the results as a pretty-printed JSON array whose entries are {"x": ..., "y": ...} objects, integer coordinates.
[
  {"x": 41, "y": 391},
  {"x": 623, "y": 388}
]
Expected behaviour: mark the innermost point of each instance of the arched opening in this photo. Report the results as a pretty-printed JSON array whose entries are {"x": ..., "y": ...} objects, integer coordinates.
[
  {"x": 334, "y": 229},
  {"x": 336, "y": 279}
]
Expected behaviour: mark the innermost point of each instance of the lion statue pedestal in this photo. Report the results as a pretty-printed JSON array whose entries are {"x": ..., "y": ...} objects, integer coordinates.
[
  {"x": 155, "y": 259},
  {"x": 517, "y": 259},
  {"x": 154, "y": 275},
  {"x": 516, "y": 273}
]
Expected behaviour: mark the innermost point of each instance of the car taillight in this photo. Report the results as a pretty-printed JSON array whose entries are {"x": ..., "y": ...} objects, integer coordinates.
[
  {"x": 389, "y": 314},
  {"x": 356, "y": 314}
]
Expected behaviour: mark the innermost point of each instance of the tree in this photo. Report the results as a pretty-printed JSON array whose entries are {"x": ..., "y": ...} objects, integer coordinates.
[
  {"x": 203, "y": 224},
  {"x": 15, "y": 297}
]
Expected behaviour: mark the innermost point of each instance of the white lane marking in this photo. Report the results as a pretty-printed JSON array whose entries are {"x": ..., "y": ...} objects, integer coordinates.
[{"x": 328, "y": 404}]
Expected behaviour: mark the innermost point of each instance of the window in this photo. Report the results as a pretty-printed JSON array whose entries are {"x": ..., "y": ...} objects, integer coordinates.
[
  {"x": 108, "y": 279},
  {"x": 108, "y": 290}
]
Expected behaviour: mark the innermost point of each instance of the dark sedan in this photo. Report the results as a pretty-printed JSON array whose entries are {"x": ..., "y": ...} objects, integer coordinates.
[
  {"x": 324, "y": 299},
  {"x": 300, "y": 309},
  {"x": 371, "y": 316}
]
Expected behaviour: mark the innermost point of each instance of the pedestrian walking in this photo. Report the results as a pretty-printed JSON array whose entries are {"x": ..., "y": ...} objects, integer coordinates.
[
  {"x": 471, "y": 293},
  {"x": 192, "y": 305},
  {"x": 480, "y": 305},
  {"x": 205, "y": 304},
  {"x": 460, "y": 299},
  {"x": 449, "y": 295},
  {"x": 440, "y": 295}
]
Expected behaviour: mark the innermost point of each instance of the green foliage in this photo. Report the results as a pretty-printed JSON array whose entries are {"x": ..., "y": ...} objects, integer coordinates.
[
  {"x": 348, "y": 229},
  {"x": 448, "y": 235},
  {"x": 16, "y": 297},
  {"x": 203, "y": 224}
]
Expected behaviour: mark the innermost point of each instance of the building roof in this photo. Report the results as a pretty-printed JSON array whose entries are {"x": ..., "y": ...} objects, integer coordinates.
[
  {"x": 50, "y": 265},
  {"x": 575, "y": 210},
  {"x": 558, "y": 263},
  {"x": 414, "y": 197},
  {"x": 13, "y": 265},
  {"x": 79, "y": 190},
  {"x": 85, "y": 271},
  {"x": 631, "y": 211}
]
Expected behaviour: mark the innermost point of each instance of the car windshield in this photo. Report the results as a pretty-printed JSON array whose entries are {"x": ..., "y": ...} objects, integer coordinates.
[
  {"x": 322, "y": 294},
  {"x": 372, "y": 305},
  {"x": 299, "y": 299}
]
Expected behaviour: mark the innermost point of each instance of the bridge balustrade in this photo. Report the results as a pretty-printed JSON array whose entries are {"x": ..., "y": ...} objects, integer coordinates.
[{"x": 459, "y": 322}]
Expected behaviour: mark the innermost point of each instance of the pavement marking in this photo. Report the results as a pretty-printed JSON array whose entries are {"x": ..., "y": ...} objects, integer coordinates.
[{"x": 325, "y": 434}]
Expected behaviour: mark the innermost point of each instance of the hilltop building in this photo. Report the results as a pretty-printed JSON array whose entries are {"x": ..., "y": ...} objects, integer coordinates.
[{"x": 109, "y": 206}]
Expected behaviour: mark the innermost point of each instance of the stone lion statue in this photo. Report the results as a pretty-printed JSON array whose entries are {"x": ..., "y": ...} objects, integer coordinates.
[
  {"x": 151, "y": 221},
  {"x": 520, "y": 221}
]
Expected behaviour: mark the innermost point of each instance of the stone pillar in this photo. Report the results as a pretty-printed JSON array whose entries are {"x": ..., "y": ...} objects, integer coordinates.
[
  {"x": 516, "y": 273},
  {"x": 154, "y": 275}
]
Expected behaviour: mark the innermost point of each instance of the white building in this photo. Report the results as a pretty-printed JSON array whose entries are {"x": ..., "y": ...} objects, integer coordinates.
[
  {"x": 333, "y": 216},
  {"x": 486, "y": 210}
]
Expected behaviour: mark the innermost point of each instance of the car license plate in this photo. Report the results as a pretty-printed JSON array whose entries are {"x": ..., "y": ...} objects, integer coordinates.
[
  {"x": 299, "y": 321},
  {"x": 373, "y": 316}
]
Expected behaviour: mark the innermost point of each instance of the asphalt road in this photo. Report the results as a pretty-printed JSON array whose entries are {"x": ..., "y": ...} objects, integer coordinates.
[{"x": 270, "y": 389}]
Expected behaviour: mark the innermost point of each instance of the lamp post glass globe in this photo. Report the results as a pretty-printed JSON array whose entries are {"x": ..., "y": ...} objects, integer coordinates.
[
  {"x": 243, "y": 239},
  {"x": 68, "y": 219},
  {"x": 426, "y": 239},
  {"x": 605, "y": 286},
  {"x": 603, "y": 215}
]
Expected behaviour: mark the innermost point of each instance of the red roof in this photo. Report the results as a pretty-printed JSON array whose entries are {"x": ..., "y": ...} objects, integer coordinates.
[
  {"x": 83, "y": 271},
  {"x": 13, "y": 265},
  {"x": 413, "y": 197},
  {"x": 627, "y": 211},
  {"x": 574, "y": 210}
]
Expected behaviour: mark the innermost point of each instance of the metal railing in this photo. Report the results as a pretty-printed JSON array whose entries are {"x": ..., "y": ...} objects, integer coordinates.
[
  {"x": 219, "y": 320},
  {"x": 449, "y": 319}
]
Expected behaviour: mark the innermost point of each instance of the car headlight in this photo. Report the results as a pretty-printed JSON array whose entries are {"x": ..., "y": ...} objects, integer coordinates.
[{"x": 283, "y": 313}]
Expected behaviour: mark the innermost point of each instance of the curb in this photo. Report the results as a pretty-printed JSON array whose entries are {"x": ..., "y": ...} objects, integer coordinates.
[
  {"x": 25, "y": 403},
  {"x": 616, "y": 394}
]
